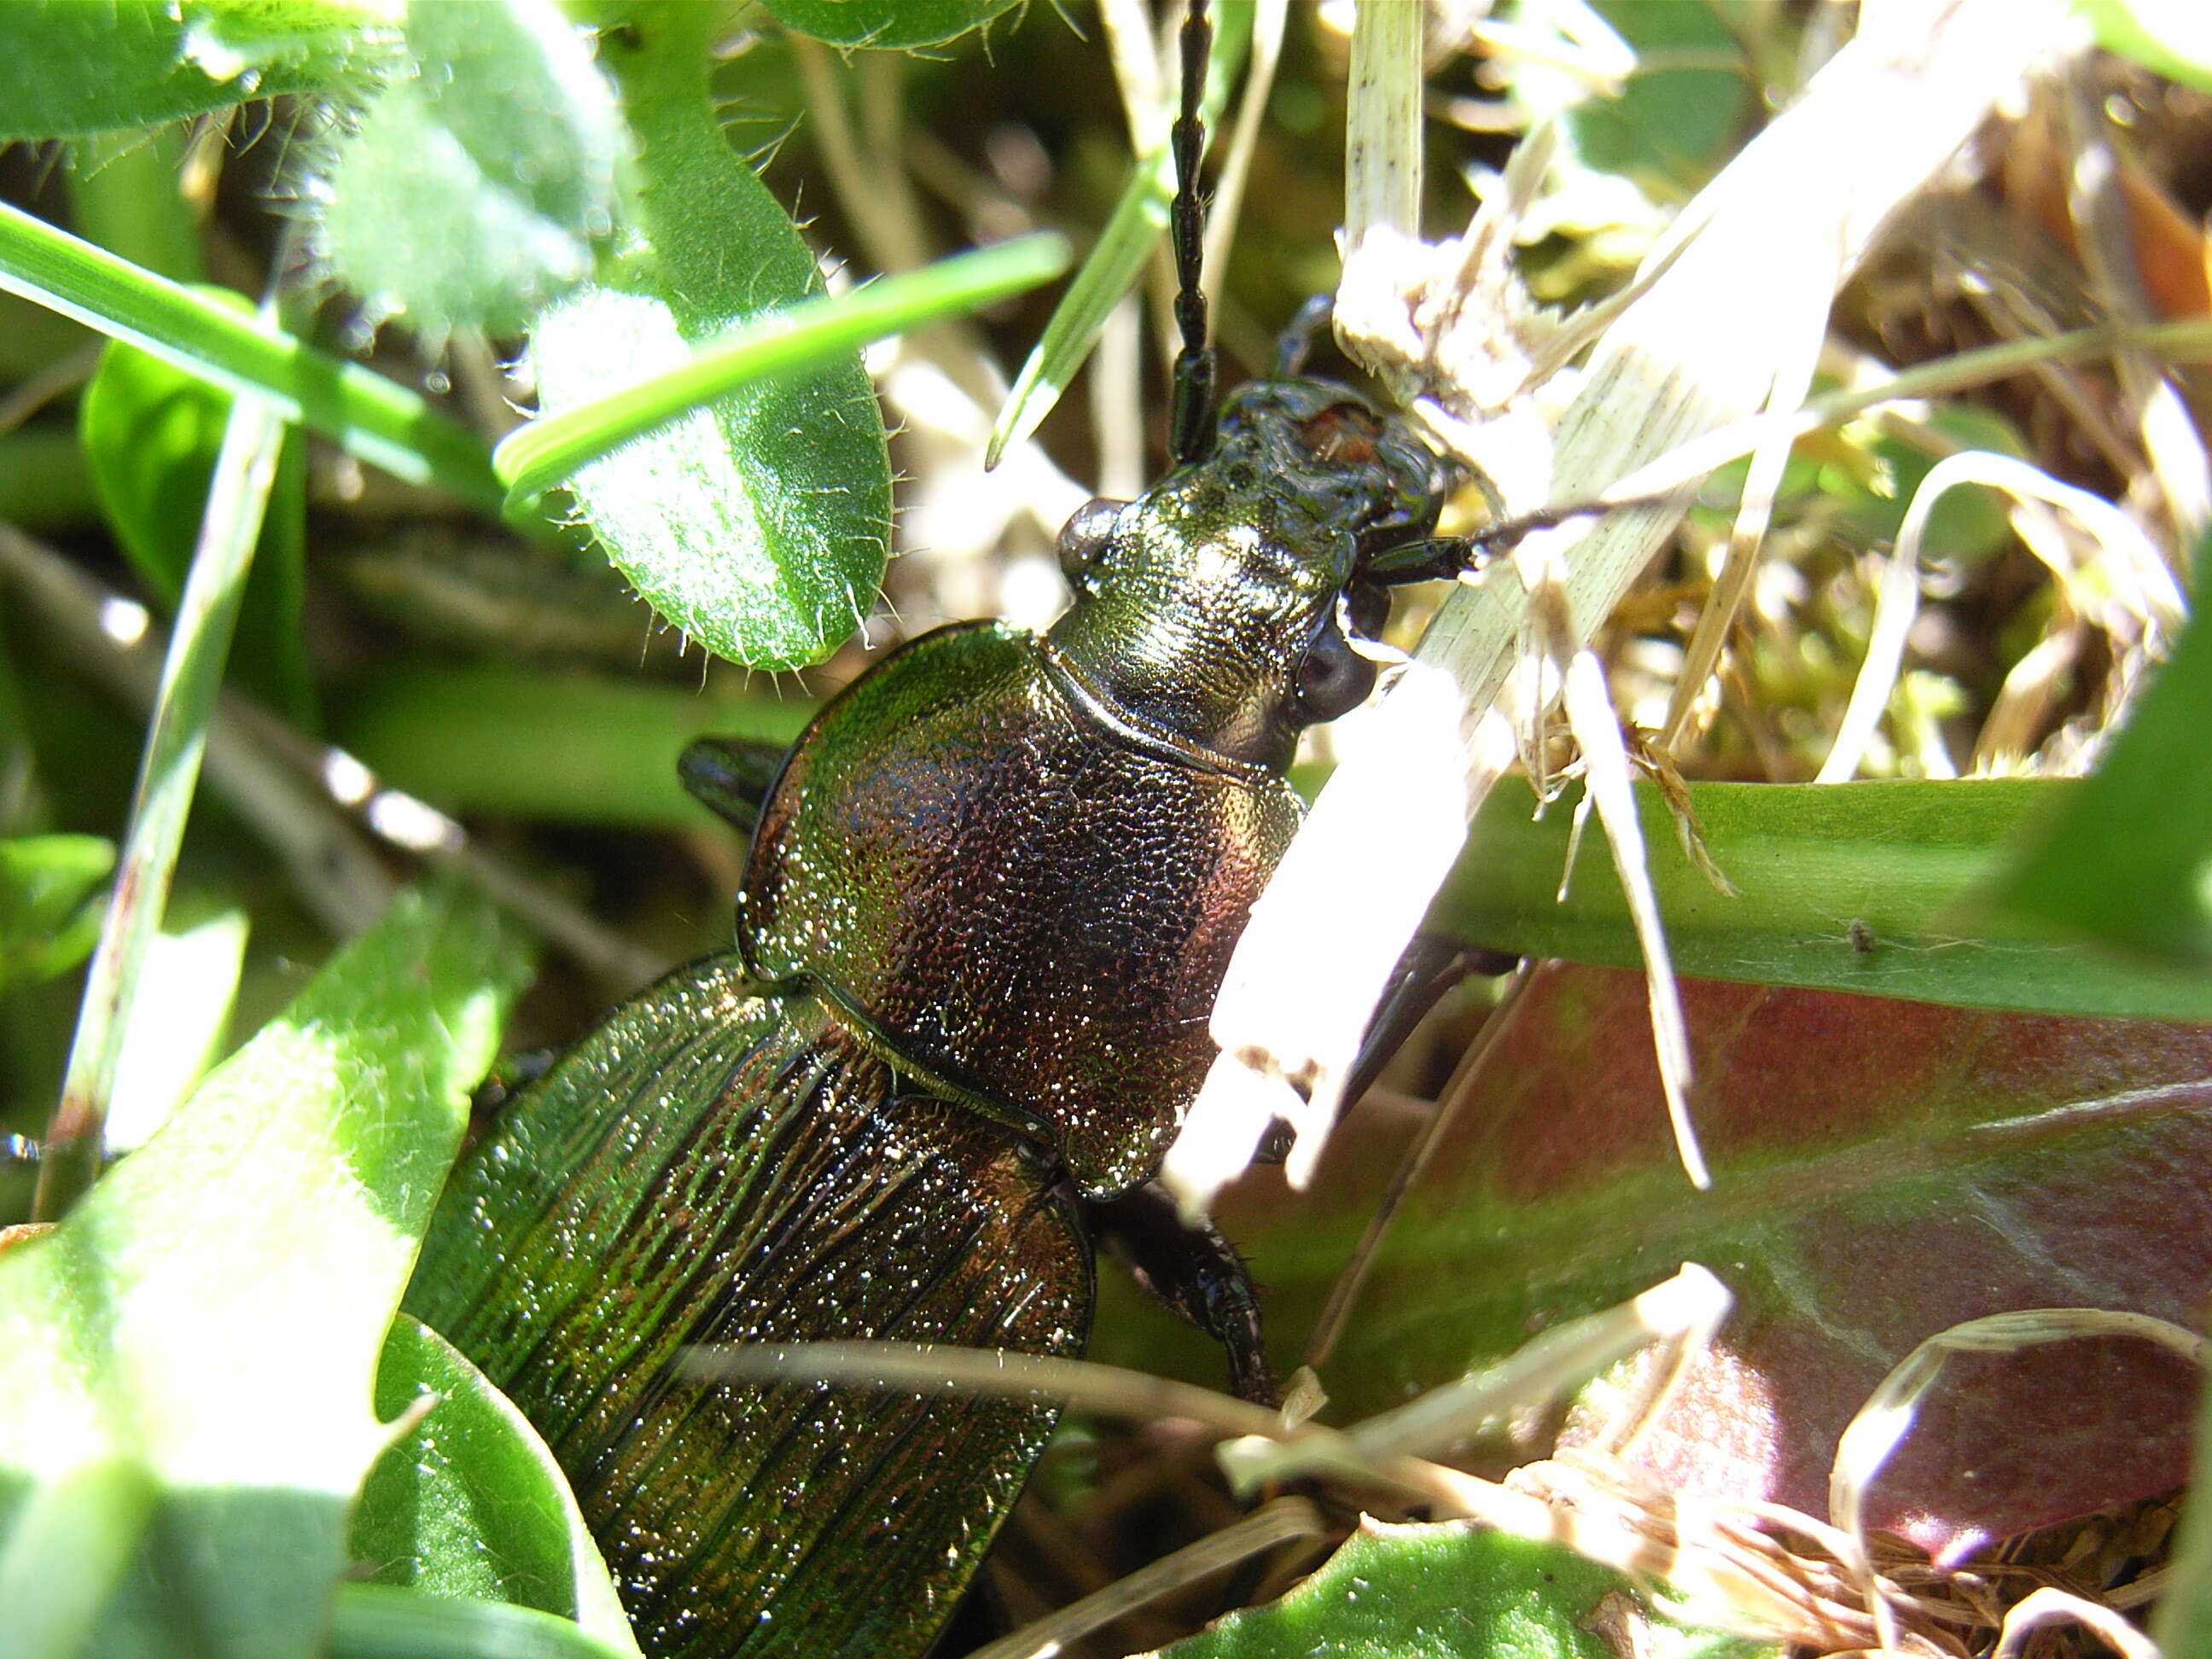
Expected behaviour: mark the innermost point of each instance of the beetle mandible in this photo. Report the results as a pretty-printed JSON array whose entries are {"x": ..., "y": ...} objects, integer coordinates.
[{"x": 991, "y": 895}]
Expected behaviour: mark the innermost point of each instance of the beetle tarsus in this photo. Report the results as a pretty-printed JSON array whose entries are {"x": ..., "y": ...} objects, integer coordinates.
[
  {"x": 1296, "y": 343},
  {"x": 1194, "y": 1272}
]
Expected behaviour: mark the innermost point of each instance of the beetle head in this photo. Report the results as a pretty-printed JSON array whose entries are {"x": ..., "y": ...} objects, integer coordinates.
[{"x": 1218, "y": 604}]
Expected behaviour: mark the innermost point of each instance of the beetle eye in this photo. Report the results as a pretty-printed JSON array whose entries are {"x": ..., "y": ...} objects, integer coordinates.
[
  {"x": 1333, "y": 679},
  {"x": 1082, "y": 539}
]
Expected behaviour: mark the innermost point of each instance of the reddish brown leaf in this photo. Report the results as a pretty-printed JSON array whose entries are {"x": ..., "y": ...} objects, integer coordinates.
[{"x": 1883, "y": 1169}]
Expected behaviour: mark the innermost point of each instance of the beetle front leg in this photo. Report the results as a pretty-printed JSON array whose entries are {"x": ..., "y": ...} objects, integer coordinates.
[{"x": 1195, "y": 1271}]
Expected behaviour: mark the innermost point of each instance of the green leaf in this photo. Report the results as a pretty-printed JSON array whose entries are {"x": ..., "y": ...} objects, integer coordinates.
[
  {"x": 48, "y": 915},
  {"x": 1852, "y": 887},
  {"x": 2128, "y": 859},
  {"x": 371, "y": 1621},
  {"x": 471, "y": 1504},
  {"x": 759, "y": 526},
  {"x": 1882, "y": 1170},
  {"x": 476, "y": 190},
  {"x": 83, "y": 68},
  {"x": 1456, "y": 1590},
  {"x": 897, "y": 25},
  {"x": 1676, "y": 120},
  {"x": 151, "y": 434},
  {"x": 179, "y": 1010},
  {"x": 193, "y": 1347}
]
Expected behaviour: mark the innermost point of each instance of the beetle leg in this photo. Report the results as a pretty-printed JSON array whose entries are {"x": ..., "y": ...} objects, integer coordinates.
[
  {"x": 1431, "y": 966},
  {"x": 1195, "y": 1271},
  {"x": 732, "y": 775},
  {"x": 1295, "y": 345},
  {"x": 513, "y": 1073}
]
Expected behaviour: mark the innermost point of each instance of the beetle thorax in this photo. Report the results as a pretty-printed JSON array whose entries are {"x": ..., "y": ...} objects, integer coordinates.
[{"x": 1202, "y": 607}]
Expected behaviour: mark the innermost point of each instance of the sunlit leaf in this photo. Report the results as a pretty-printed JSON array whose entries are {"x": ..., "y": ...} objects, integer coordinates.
[
  {"x": 186, "y": 1362},
  {"x": 1857, "y": 887},
  {"x": 476, "y": 189},
  {"x": 81, "y": 69},
  {"x": 758, "y": 526},
  {"x": 471, "y": 1504},
  {"x": 178, "y": 1014},
  {"x": 1456, "y": 1591}
]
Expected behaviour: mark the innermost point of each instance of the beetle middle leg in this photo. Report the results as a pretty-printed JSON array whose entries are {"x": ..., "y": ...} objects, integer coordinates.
[
  {"x": 732, "y": 775},
  {"x": 1195, "y": 1271}
]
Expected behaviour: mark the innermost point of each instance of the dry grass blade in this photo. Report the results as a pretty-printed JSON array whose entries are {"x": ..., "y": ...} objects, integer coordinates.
[
  {"x": 2047, "y": 1607},
  {"x": 1700, "y": 349},
  {"x": 1278, "y": 1523},
  {"x": 2132, "y": 569},
  {"x": 1888, "y": 1414}
]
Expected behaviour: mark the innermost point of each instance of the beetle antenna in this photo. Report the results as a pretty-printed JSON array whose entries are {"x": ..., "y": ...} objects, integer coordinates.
[{"x": 1191, "y": 425}]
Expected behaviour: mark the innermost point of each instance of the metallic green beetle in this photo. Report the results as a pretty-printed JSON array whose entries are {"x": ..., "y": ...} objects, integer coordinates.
[{"x": 991, "y": 897}]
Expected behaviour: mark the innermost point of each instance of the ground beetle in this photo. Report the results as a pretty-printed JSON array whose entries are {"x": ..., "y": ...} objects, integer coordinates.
[{"x": 991, "y": 895}]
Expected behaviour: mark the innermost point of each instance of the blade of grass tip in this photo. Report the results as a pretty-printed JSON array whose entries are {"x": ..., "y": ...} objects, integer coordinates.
[
  {"x": 1139, "y": 219},
  {"x": 535, "y": 457},
  {"x": 376, "y": 419},
  {"x": 1136, "y": 59},
  {"x": 1597, "y": 732},
  {"x": 238, "y": 495}
]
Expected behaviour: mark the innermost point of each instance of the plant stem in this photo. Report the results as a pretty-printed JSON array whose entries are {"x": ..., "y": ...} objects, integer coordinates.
[
  {"x": 533, "y": 459},
  {"x": 238, "y": 496},
  {"x": 377, "y": 419}
]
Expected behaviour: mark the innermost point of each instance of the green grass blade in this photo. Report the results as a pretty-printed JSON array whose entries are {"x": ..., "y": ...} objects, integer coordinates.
[
  {"x": 543, "y": 454},
  {"x": 1862, "y": 887},
  {"x": 378, "y": 420},
  {"x": 238, "y": 495}
]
